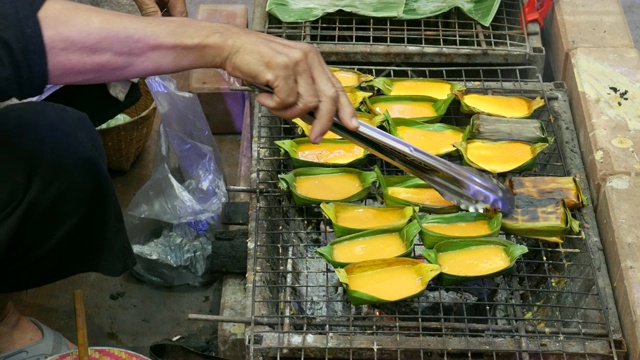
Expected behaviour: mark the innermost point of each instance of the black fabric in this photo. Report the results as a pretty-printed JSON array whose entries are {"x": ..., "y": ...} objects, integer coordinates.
[
  {"x": 59, "y": 214},
  {"x": 23, "y": 61},
  {"x": 95, "y": 100}
]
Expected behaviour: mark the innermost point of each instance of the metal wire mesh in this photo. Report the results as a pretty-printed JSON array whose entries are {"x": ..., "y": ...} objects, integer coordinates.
[
  {"x": 556, "y": 305},
  {"x": 451, "y": 36}
]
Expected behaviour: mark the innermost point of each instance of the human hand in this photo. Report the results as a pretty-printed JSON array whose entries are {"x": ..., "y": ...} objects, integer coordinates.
[
  {"x": 299, "y": 77},
  {"x": 162, "y": 7}
]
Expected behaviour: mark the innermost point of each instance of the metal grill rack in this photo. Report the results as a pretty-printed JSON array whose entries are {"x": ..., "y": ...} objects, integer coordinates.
[
  {"x": 451, "y": 38},
  {"x": 557, "y": 304}
]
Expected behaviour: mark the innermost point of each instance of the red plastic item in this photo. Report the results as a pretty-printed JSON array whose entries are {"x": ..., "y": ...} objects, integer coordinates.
[{"x": 536, "y": 10}]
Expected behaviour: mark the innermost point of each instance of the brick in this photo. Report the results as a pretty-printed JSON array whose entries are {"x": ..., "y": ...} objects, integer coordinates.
[
  {"x": 618, "y": 220},
  {"x": 604, "y": 90},
  {"x": 575, "y": 24}
]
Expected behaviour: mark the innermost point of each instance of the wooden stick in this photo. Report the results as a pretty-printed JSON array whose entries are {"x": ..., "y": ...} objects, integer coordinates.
[{"x": 81, "y": 325}]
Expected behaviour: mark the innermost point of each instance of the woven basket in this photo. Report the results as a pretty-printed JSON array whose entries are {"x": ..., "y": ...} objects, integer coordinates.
[{"x": 124, "y": 143}]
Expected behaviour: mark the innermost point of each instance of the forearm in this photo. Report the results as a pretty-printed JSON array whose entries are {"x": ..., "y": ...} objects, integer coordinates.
[{"x": 135, "y": 46}]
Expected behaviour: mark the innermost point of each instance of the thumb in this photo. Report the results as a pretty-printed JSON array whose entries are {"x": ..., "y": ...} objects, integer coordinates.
[{"x": 148, "y": 7}]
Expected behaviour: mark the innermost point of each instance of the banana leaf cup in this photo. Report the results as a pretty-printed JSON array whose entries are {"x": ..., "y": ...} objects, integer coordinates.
[
  {"x": 463, "y": 225},
  {"x": 436, "y": 139},
  {"x": 549, "y": 187},
  {"x": 421, "y": 108},
  {"x": 336, "y": 184},
  {"x": 370, "y": 245},
  {"x": 371, "y": 119},
  {"x": 548, "y": 222},
  {"x": 494, "y": 128},
  {"x": 500, "y": 156},
  {"x": 386, "y": 280},
  {"x": 474, "y": 264},
  {"x": 356, "y": 96},
  {"x": 350, "y": 78},
  {"x": 496, "y": 105},
  {"x": 435, "y": 88},
  {"x": 328, "y": 153},
  {"x": 408, "y": 190},
  {"x": 349, "y": 218}
]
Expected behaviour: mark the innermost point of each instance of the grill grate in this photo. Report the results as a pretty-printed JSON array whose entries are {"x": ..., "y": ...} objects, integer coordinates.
[
  {"x": 556, "y": 305},
  {"x": 451, "y": 37}
]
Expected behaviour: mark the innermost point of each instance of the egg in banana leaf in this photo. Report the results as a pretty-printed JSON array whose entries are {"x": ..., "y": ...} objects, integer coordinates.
[
  {"x": 349, "y": 218},
  {"x": 500, "y": 156},
  {"x": 313, "y": 185},
  {"x": 463, "y": 225},
  {"x": 421, "y": 108},
  {"x": 495, "y": 128},
  {"x": 549, "y": 187},
  {"x": 371, "y": 119},
  {"x": 403, "y": 190},
  {"x": 350, "y": 78},
  {"x": 435, "y": 88},
  {"x": 386, "y": 280},
  {"x": 329, "y": 152},
  {"x": 546, "y": 221},
  {"x": 437, "y": 139},
  {"x": 496, "y": 105},
  {"x": 466, "y": 260},
  {"x": 370, "y": 245},
  {"x": 356, "y": 96}
]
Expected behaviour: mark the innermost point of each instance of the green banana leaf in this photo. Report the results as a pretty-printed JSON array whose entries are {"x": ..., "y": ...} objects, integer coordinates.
[
  {"x": 495, "y": 128},
  {"x": 386, "y": 85},
  {"x": 409, "y": 182},
  {"x": 512, "y": 250},
  {"x": 394, "y": 123},
  {"x": 333, "y": 210},
  {"x": 525, "y": 166},
  {"x": 291, "y": 147},
  {"x": 424, "y": 272},
  {"x": 482, "y": 11},
  {"x": 407, "y": 234},
  {"x": 431, "y": 238},
  {"x": 288, "y": 182},
  {"x": 439, "y": 106}
]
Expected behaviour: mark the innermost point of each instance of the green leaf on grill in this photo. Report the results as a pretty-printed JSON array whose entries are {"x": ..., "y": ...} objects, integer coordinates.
[
  {"x": 292, "y": 147},
  {"x": 430, "y": 237},
  {"x": 435, "y": 88},
  {"x": 398, "y": 217},
  {"x": 288, "y": 182}
]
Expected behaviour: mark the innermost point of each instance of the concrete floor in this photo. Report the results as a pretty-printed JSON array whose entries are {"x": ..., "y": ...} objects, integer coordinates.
[{"x": 126, "y": 313}]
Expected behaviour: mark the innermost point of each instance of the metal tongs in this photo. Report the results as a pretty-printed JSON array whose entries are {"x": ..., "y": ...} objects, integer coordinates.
[{"x": 466, "y": 187}]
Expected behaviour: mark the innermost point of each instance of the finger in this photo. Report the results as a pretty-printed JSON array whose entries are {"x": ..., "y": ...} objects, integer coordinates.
[
  {"x": 346, "y": 111},
  {"x": 148, "y": 7},
  {"x": 177, "y": 8}
]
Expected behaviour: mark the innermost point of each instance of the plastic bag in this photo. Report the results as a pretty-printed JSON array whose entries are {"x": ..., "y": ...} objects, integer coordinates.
[{"x": 172, "y": 218}]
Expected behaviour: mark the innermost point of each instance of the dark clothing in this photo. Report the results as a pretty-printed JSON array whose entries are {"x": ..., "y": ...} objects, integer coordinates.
[{"x": 59, "y": 214}]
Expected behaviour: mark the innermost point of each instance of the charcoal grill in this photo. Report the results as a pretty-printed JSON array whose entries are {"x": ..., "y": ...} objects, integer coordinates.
[
  {"x": 451, "y": 38},
  {"x": 557, "y": 304}
]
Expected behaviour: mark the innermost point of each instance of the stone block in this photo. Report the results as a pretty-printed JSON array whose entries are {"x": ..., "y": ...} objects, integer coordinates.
[
  {"x": 577, "y": 24},
  {"x": 604, "y": 90},
  {"x": 617, "y": 220}
]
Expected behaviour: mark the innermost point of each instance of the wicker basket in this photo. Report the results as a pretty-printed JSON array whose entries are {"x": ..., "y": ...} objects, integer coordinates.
[{"x": 124, "y": 143}]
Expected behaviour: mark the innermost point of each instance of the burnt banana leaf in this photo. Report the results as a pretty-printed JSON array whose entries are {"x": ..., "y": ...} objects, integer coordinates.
[
  {"x": 328, "y": 153},
  {"x": 494, "y": 128},
  {"x": 548, "y": 222},
  {"x": 435, "y": 88},
  {"x": 421, "y": 108},
  {"x": 370, "y": 245},
  {"x": 496, "y": 105},
  {"x": 549, "y": 187},
  {"x": 463, "y": 225},
  {"x": 386, "y": 280},
  {"x": 313, "y": 185},
  {"x": 437, "y": 139},
  {"x": 407, "y": 190},
  {"x": 349, "y": 218},
  {"x": 466, "y": 260}
]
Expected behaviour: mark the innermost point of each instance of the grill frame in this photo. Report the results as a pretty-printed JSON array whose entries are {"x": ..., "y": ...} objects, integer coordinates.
[
  {"x": 288, "y": 334},
  {"x": 450, "y": 38}
]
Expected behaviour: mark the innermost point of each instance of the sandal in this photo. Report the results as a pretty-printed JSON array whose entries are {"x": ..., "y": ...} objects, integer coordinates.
[{"x": 52, "y": 343}]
